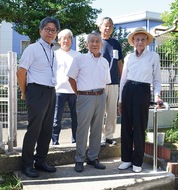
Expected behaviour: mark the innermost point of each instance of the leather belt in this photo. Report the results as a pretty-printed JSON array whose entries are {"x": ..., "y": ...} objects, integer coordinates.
[
  {"x": 35, "y": 84},
  {"x": 138, "y": 83},
  {"x": 96, "y": 93}
]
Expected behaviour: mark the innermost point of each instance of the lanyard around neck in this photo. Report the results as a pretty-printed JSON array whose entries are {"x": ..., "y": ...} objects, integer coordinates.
[{"x": 50, "y": 63}]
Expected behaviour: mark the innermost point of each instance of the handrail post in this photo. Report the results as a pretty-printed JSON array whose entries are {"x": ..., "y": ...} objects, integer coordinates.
[
  {"x": 155, "y": 134},
  {"x": 155, "y": 127}
]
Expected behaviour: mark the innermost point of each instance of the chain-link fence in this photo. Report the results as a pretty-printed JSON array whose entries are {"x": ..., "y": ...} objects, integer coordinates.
[
  {"x": 169, "y": 68},
  {"x": 3, "y": 89}
]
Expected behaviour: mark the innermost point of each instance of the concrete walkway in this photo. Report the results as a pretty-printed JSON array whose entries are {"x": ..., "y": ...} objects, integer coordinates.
[{"x": 65, "y": 137}]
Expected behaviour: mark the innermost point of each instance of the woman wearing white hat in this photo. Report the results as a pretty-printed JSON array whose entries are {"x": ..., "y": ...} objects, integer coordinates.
[{"x": 141, "y": 68}]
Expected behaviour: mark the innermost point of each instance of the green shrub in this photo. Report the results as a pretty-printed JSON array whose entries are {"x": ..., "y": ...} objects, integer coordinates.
[{"x": 172, "y": 134}]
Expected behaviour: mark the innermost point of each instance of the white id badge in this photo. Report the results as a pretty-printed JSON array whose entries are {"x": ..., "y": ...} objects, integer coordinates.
[
  {"x": 53, "y": 81},
  {"x": 115, "y": 54}
]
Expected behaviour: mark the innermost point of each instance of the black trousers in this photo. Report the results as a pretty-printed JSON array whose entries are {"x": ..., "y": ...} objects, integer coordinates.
[
  {"x": 135, "y": 108},
  {"x": 40, "y": 101}
]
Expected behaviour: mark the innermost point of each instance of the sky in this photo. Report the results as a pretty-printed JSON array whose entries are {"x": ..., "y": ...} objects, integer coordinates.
[{"x": 116, "y": 8}]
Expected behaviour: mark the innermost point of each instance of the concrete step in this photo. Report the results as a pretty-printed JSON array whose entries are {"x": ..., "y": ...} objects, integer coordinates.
[
  {"x": 93, "y": 179},
  {"x": 66, "y": 178},
  {"x": 57, "y": 155}
]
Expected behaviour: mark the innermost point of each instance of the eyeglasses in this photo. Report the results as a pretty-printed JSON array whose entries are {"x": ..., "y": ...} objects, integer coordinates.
[
  {"x": 53, "y": 31},
  {"x": 140, "y": 40}
]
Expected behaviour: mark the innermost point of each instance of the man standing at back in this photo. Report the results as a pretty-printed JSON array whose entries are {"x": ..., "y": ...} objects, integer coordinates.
[
  {"x": 64, "y": 92},
  {"x": 111, "y": 50}
]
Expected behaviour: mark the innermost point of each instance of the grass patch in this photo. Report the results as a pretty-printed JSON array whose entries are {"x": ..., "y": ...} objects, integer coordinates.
[{"x": 10, "y": 182}]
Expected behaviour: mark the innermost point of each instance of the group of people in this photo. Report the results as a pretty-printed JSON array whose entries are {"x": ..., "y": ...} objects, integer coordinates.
[{"x": 90, "y": 84}]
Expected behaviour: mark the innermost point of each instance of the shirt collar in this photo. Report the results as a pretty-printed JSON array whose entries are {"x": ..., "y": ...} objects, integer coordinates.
[
  {"x": 91, "y": 54},
  {"x": 45, "y": 43},
  {"x": 143, "y": 53}
]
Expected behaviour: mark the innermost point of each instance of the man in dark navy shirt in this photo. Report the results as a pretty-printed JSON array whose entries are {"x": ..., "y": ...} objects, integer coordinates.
[{"x": 111, "y": 50}]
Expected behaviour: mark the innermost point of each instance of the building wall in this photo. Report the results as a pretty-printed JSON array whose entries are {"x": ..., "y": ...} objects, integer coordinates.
[
  {"x": 130, "y": 26},
  {"x": 146, "y": 19},
  {"x": 17, "y": 42},
  {"x": 149, "y": 25},
  {"x": 5, "y": 37}
]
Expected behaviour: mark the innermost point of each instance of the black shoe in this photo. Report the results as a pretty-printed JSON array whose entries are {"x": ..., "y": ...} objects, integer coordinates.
[
  {"x": 44, "y": 167},
  {"x": 30, "y": 171},
  {"x": 103, "y": 144},
  {"x": 96, "y": 164},
  {"x": 111, "y": 141},
  {"x": 55, "y": 143},
  {"x": 79, "y": 167}
]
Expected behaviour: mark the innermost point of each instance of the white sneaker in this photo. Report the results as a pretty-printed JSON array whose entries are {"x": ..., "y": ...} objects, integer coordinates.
[
  {"x": 124, "y": 165},
  {"x": 137, "y": 169}
]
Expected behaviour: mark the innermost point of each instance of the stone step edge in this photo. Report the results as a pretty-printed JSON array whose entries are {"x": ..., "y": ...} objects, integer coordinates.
[
  {"x": 66, "y": 155},
  {"x": 62, "y": 156}
]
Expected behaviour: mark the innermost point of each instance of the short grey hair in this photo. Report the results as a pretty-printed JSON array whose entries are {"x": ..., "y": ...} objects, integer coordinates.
[
  {"x": 106, "y": 18},
  {"x": 47, "y": 20},
  {"x": 65, "y": 32},
  {"x": 94, "y": 34}
]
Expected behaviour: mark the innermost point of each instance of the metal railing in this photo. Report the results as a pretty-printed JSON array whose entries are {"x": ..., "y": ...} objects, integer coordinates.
[{"x": 155, "y": 132}]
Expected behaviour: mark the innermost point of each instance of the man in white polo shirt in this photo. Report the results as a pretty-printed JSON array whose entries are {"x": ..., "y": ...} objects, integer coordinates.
[
  {"x": 88, "y": 77},
  {"x": 37, "y": 78}
]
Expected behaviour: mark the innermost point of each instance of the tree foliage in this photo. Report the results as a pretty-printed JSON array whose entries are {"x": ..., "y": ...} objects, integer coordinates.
[
  {"x": 169, "y": 17},
  {"x": 170, "y": 47},
  {"x": 122, "y": 36},
  {"x": 82, "y": 44},
  {"x": 26, "y": 15},
  {"x": 168, "y": 51}
]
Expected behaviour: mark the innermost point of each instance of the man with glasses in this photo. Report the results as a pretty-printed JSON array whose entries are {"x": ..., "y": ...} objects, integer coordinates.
[{"x": 37, "y": 78}]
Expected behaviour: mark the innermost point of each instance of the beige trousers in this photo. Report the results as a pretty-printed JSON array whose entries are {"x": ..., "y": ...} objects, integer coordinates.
[{"x": 110, "y": 120}]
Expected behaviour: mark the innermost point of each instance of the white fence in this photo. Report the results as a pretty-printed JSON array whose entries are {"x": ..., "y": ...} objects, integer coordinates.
[{"x": 8, "y": 99}]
